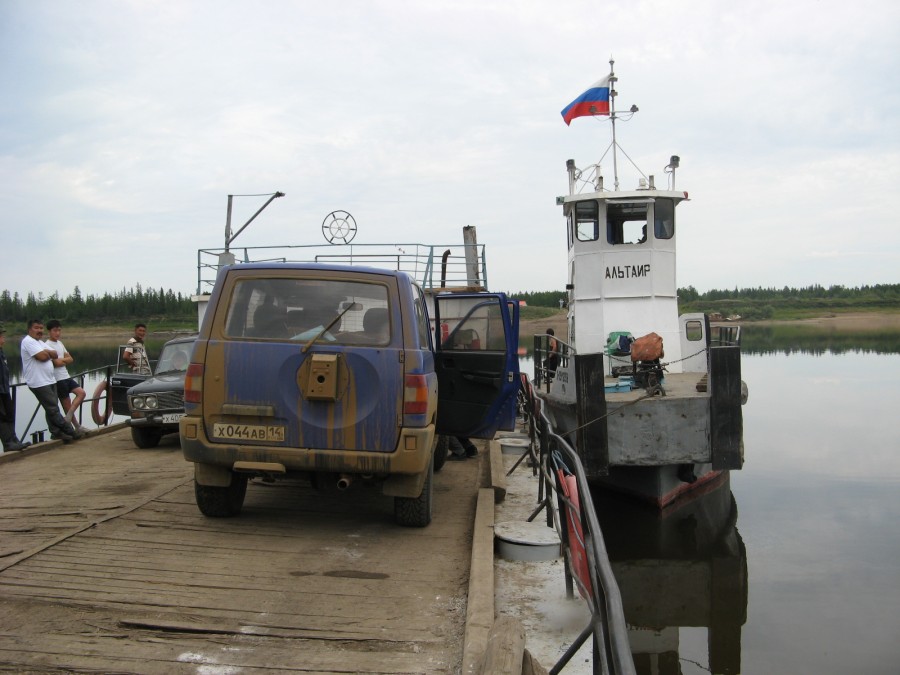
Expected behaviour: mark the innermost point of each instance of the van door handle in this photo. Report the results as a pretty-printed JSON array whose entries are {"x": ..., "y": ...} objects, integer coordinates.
[{"x": 482, "y": 378}]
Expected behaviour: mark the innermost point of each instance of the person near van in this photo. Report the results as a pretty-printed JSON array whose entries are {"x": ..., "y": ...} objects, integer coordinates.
[
  {"x": 135, "y": 353},
  {"x": 551, "y": 363},
  {"x": 37, "y": 369},
  {"x": 65, "y": 384},
  {"x": 8, "y": 436},
  {"x": 461, "y": 448}
]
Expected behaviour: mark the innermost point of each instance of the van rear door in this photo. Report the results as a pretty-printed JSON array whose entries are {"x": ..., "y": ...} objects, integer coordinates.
[
  {"x": 477, "y": 363},
  {"x": 304, "y": 357}
]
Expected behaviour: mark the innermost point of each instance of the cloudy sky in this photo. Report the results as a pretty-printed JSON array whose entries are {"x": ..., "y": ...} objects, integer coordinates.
[{"x": 125, "y": 124}]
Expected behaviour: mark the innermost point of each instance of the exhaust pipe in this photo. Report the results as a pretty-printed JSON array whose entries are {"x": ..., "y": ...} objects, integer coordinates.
[{"x": 344, "y": 481}]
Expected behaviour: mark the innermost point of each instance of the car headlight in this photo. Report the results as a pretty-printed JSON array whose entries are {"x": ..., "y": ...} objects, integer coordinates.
[
  {"x": 151, "y": 402},
  {"x": 137, "y": 402}
]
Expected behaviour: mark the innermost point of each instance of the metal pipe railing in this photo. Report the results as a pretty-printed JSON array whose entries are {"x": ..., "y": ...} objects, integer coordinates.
[
  {"x": 416, "y": 259},
  {"x": 596, "y": 581},
  {"x": 38, "y": 435}
]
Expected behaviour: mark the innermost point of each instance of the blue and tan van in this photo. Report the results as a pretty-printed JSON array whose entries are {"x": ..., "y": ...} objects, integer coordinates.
[{"x": 334, "y": 373}]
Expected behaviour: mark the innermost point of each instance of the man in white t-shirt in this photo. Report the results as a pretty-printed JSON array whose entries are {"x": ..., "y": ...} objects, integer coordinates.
[{"x": 37, "y": 369}]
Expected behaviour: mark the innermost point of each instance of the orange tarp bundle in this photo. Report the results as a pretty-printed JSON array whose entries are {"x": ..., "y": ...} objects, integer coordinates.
[{"x": 647, "y": 348}]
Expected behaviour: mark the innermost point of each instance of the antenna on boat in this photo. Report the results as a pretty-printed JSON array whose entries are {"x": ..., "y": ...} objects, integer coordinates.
[
  {"x": 612, "y": 118},
  {"x": 614, "y": 146}
]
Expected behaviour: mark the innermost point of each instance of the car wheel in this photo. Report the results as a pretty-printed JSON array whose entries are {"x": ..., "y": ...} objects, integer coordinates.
[
  {"x": 146, "y": 438},
  {"x": 441, "y": 450},
  {"x": 416, "y": 511},
  {"x": 221, "y": 502}
]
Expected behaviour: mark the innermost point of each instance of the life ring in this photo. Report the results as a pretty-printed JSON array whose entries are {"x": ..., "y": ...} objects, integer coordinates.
[
  {"x": 95, "y": 405},
  {"x": 576, "y": 536}
]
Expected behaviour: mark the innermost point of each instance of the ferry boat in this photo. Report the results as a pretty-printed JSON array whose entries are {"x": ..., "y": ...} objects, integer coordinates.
[{"x": 652, "y": 400}]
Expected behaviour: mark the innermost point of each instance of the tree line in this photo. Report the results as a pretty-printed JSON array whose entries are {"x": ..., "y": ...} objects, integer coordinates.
[
  {"x": 138, "y": 304},
  {"x": 127, "y": 305},
  {"x": 759, "y": 302}
]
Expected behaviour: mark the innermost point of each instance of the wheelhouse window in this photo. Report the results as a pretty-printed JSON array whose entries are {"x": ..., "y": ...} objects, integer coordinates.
[
  {"x": 587, "y": 220},
  {"x": 664, "y": 218},
  {"x": 626, "y": 222}
]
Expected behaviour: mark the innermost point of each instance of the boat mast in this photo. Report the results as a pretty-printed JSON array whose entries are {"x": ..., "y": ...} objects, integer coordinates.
[{"x": 612, "y": 117}]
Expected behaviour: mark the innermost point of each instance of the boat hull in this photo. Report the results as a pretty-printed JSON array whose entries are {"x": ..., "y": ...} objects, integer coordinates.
[{"x": 654, "y": 447}]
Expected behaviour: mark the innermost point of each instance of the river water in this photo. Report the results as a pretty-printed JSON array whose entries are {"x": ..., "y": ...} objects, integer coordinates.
[{"x": 792, "y": 568}]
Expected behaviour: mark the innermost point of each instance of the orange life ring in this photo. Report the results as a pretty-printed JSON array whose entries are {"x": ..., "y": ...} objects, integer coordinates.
[
  {"x": 576, "y": 536},
  {"x": 95, "y": 405}
]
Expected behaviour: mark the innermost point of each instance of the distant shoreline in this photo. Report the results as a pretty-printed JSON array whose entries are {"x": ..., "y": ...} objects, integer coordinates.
[
  {"x": 843, "y": 322},
  {"x": 850, "y": 322}
]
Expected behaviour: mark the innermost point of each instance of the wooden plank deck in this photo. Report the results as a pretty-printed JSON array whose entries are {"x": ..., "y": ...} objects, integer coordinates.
[{"x": 106, "y": 565}]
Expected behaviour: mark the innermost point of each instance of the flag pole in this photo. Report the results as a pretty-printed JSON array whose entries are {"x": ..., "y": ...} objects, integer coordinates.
[{"x": 612, "y": 117}]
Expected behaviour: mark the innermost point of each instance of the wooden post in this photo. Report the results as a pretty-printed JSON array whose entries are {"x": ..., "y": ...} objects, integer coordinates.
[
  {"x": 591, "y": 440},
  {"x": 726, "y": 418}
]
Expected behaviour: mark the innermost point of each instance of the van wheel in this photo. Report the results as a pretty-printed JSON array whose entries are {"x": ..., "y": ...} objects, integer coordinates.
[
  {"x": 416, "y": 511},
  {"x": 441, "y": 450},
  {"x": 146, "y": 438},
  {"x": 221, "y": 502}
]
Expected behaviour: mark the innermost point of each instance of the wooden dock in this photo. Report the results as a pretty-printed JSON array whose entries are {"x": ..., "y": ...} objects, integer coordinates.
[{"x": 106, "y": 565}]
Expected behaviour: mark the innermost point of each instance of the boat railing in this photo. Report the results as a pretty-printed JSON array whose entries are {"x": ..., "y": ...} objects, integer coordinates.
[
  {"x": 565, "y": 493},
  {"x": 39, "y": 435},
  {"x": 548, "y": 360},
  {"x": 724, "y": 336},
  {"x": 452, "y": 267}
]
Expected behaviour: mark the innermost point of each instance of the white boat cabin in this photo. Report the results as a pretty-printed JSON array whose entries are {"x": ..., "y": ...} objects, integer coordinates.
[{"x": 621, "y": 274}]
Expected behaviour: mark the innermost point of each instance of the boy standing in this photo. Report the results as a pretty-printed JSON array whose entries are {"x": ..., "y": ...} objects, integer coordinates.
[{"x": 65, "y": 383}]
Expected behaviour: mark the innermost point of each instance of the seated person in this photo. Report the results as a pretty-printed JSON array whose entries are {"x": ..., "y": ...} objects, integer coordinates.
[
  {"x": 376, "y": 325},
  {"x": 270, "y": 321}
]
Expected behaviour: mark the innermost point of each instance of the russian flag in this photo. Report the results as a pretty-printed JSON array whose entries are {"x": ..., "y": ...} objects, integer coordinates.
[{"x": 595, "y": 101}]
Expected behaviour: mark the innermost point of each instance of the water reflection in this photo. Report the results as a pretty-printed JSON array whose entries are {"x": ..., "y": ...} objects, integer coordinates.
[
  {"x": 683, "y": 567},
  {"x": 803, "y": 339}
]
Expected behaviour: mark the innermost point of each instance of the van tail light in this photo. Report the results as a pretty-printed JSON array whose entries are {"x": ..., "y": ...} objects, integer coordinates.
[
  {"x": 415, "y": 395},
  {"x": 193, "y": 384}
]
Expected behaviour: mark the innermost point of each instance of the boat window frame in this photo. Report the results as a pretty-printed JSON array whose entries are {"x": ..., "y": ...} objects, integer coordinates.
[
  {"x": 592, "y": 232},
  {"x": 663, "y": 228},
  {"x": 693, "y": 330},
  {"x": 615, "y": 231}
]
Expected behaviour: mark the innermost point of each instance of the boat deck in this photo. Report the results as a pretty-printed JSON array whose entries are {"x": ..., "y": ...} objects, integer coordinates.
[{"x": 677, "y": 385}]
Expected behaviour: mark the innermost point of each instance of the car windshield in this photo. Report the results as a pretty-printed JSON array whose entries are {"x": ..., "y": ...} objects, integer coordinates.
[{"x": 174, "y": 358}]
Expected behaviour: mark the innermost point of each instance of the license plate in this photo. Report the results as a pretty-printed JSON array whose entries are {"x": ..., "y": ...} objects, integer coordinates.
[
  {"x": 249, "y": 432},
  {"x": 172, "y": 418}
]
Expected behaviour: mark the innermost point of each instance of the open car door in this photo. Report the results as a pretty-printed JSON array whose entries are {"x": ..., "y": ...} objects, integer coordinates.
[{"x": 477, "y": 363}]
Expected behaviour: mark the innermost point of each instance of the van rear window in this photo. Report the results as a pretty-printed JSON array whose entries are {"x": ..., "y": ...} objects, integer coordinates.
[{"x": 354, "y": 312}]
